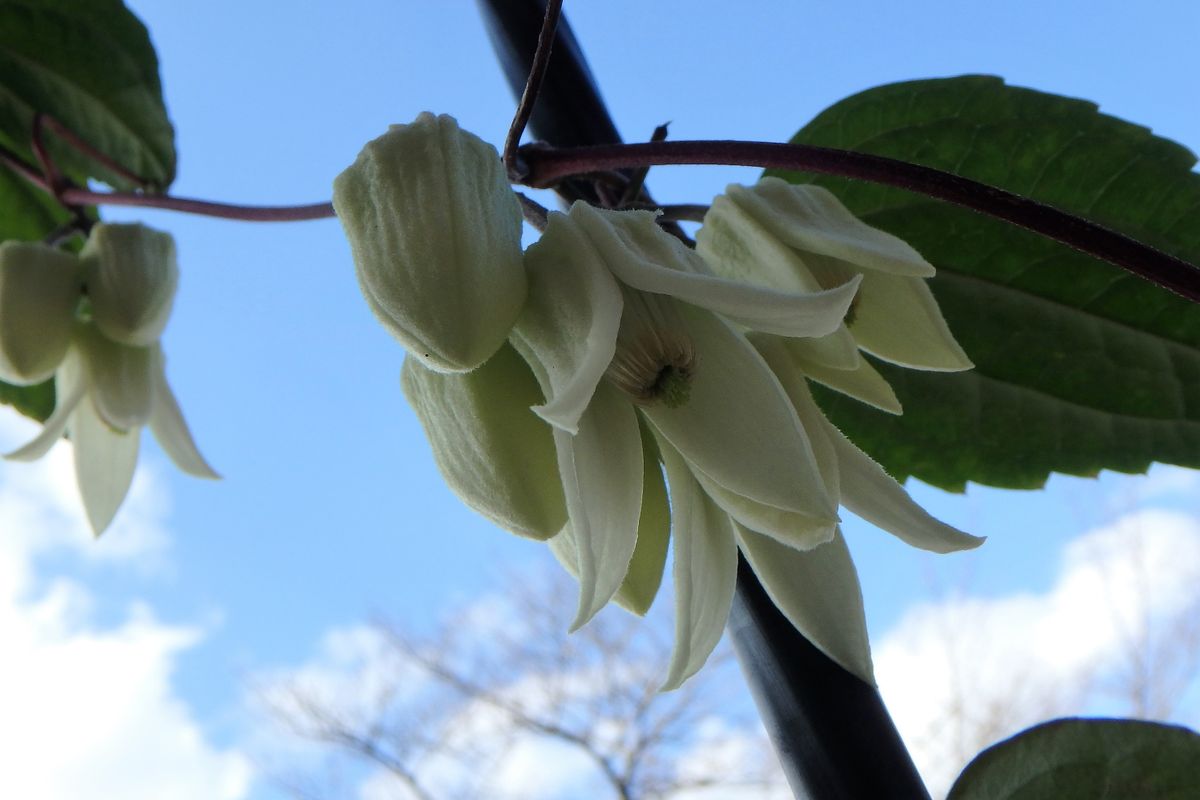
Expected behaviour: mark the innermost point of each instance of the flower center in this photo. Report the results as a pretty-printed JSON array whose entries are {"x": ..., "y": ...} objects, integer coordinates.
[{"x": 655, "y": 357}]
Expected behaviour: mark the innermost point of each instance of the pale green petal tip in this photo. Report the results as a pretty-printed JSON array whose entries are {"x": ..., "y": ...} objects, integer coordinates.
[
  {"x": 645, "y": 574},
  {"x": 53, "y": 429},
  {"x": 704, "y": 569},
  {"x": 898, "y": 319},
  {"x": 105, "y": 461},
  {"x": 863, "y": 383},
  {"x": 871, "y": 493},
  {"x": 819, "y": 592},
  {"x": 602, "y": 471},
  {"x": 171, "y": 430},
  {"x": 435, "y": 232}
]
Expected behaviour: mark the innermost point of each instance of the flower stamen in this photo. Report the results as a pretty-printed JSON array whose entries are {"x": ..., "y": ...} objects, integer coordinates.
[{"x": 655, "y": 357}]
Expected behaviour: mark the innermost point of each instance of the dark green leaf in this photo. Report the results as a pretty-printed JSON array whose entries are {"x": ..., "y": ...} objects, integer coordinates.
[
  {"x": 1087, "y": 759},
  {"x": 26, "y": 212},
  {"x": 90, "y": 65},
  {"x": 32, "y": 401},
  {"x": 1079, "y": 365}
]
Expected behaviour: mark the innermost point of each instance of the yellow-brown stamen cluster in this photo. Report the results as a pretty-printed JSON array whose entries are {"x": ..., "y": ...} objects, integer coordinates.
[{"x": 655, "y": 357}]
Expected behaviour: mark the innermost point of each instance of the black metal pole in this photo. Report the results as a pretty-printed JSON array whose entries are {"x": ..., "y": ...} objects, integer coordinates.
[{"x": 832, "y": 732}]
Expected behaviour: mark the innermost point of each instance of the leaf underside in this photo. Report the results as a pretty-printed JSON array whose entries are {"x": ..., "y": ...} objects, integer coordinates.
[
  {"x": 90, "y": 65},
  {"x": 1080, "y": 366},
  {"x": 1086, "y": 759}
]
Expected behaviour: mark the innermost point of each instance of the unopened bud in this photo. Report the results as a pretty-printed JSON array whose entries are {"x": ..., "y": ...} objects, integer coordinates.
[
  {"x": 131, "y": 281},
  {"x": 436, "y": 235}
]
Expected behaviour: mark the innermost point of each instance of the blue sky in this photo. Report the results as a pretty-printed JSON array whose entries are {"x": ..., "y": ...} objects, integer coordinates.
[{"x": 331, "y": 509}]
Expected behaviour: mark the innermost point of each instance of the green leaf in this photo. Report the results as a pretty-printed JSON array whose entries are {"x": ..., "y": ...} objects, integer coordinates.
[
  {"x": 26, "y": 212},
  {"x": 1079, "y": 365},
  {"x": 32, "y": 401},
  {"x": 1086, "y": 759},
  {"x": 90, "y": 65}
]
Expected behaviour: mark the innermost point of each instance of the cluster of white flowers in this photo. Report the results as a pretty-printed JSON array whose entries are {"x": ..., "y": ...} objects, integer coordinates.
[
  {"x": 557, "y": 385},
  {"x": 93, "y": 322}
]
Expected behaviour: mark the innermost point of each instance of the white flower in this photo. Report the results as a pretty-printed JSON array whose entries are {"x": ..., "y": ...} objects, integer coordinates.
[
  {"x": 802, "y": 238},
  {"x": 107, "y": 390},
  {"x": 435, "y": 232},
  {"x": 642, "y": 357}
]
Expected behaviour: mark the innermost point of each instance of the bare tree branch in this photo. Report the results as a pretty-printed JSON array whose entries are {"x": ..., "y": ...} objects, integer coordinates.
[{"x": 505, "y": 672}]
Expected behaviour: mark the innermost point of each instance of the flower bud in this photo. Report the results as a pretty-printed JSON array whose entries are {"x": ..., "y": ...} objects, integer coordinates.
[
  {"x": 131, "y": 281},
  {"x": 436, "y": 236},
  {"x": 40, "y": 287}
]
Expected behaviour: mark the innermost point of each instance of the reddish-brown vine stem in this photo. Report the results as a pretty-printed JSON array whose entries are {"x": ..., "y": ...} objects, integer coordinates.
[
  {"x": 71, "y": 196},
  {"x": 208, "y": 208},
  {"x": 42, "y": 121},
  {"x": 547, "y": 166},
  {"x": 537, "y": 73}
]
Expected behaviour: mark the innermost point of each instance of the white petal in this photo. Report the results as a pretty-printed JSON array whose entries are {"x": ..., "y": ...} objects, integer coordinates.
[
  {"x": 738, "y": 426},
  {"x": 601, "y": 469},
  {"x": 563, "y": 548},
  {"x": 568, "y": 327},
  {"x": 645, "y": 573},
  {"x": 862, "y": 383},
  {"x": 170, "y": 428},
  {"x": 70, "y": 386},
  {"x": 494, "y": 453},
  {"x": 789, "y": 527},
  {"x": 645, "y": 257},
  {"x": 898, "y": 320},
  {"x": 131, "y": 277},
  {"x": 775, "y": 352},
  {"x": 811, "y": 219},
  {"x": 40, "y": 286},
  {"x": 735, "y": 245},
  {"x": 120, "y": 377},
  {"x": 875, "y": 496},
  {"x": 836, "y": 351},
  {"x": 818, "y": 591},
  {"x": 104, "y": 463},
  {"x": 705, "y": 571}
]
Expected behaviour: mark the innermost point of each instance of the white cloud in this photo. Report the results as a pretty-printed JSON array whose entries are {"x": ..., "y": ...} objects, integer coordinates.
[
  {"x": 1116, "y": 633},
  {"x": 88, "y": 711},
  {"x": 464, "y": 746},
  {"x": 720, "y": 747}
]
